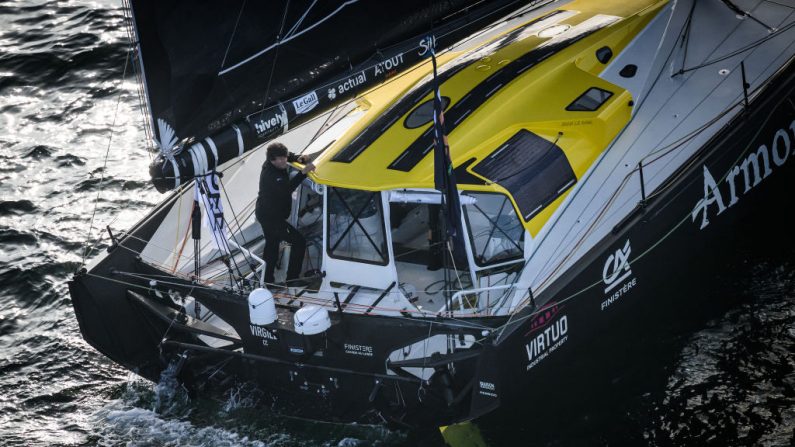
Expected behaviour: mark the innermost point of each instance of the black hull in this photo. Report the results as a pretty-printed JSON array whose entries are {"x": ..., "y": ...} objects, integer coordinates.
[
  {"x": 579, "y": 333},
  {"x": 680, "y": 274}
]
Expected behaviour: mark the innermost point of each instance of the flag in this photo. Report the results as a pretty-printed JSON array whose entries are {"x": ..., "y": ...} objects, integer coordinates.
[
  {"x": 207, "y": 188},
  {"x": 443, "y": 174}
]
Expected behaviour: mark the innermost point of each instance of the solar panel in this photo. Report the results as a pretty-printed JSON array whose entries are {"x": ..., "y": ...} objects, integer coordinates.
[{"x": 535, "y": 171}]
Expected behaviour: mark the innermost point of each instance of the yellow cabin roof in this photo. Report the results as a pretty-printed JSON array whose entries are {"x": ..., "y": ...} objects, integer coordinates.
[{"x": 521, "y": 79}]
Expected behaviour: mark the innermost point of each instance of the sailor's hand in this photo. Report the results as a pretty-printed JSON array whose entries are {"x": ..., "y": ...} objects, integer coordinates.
[
  {"x": 309, "y": 167},
  {"x": 302, "y": 159}
]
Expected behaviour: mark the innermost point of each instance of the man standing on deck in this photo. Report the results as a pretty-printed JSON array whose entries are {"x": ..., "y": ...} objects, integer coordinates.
[{"x": 273, "y": 208}]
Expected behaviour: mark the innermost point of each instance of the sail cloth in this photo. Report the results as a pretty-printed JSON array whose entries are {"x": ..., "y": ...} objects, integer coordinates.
[{"x": 222, "y": 77}]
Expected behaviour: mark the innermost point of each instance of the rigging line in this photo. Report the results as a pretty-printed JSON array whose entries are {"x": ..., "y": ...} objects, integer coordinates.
[
  {"x": 176, "y": 233},
  {"x": 143, "y": 108},
  {"x": 320, "y": 130},
  {"x": 731, "y": 5},
  {"x": 149, "y": 243},
  {"x": 279, "y": 42},
  {"x": 457, "y": 276},
  {"x": 107, "y": 153},
  {"x": 234, "y": 31},
  {"x": 102, "y": 237},
  {"x": 424, "y": 360},
  {"x": 686, "y": 36},
  {"x": 232, "y": 209},
  {"x": 301, "y": 20},
  {"x": 779, "y": 4},
  {"x": 738, "y": 51},
  {"x": 276, "y": 53}
]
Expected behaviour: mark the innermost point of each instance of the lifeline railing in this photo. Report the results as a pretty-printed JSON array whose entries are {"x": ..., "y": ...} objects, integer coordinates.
[
  {"x": 260, "y": 269},
  {"x": 458, "y": 298}
]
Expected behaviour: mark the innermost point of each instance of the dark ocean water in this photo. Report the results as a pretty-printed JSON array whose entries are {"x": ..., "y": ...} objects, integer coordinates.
[{"x": 62, "y": 99}]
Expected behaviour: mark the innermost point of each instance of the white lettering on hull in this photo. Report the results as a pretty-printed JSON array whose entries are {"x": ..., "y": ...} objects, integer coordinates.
[
  {"x": 617, "y": 275},
  {"x": 755, "y": 168},
  {"x": 362, "y": 350},
  {"x": 547, "y": 341}
]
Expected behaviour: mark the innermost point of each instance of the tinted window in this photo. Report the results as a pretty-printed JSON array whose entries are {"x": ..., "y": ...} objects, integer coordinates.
[
  {"x": 423, "y": 114},
  {"x": 589, "y": 101}
]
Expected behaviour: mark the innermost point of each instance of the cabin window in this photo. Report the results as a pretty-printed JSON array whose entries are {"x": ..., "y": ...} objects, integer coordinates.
[
  {"x": 356, "y": 226},
  {"x": 495, "y": 232},
  {"x": 591, "y": 100},
  {"x": 423, "y": 114}
]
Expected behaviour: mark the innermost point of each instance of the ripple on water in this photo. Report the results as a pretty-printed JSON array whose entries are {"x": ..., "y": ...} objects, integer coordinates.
[
  {"x": 735, "y": 382},
  {"x": 69, "y": 160},
  {"x": 15, "y": 208},
  {"x": 111, "y": 183},
  {"x": 39, "y": 152}
]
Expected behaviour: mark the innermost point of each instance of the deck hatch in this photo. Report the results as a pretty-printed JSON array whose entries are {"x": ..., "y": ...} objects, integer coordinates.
[
  {"x": 535, "y": 171},
  {"x": 590, "y": 101}
]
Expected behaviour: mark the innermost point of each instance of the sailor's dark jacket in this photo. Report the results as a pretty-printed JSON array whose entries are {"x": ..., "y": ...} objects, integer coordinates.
[{"x": 275, "y": 193}]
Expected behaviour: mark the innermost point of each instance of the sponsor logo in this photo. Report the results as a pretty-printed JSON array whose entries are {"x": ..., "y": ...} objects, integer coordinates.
[
  {"x": 267, "y": 125},
  {"x": 543, "y": 317},
  {"x": 547, "y": 341},
  {"x": 749, "y": 172},
  {"x": 267, "y": 335},
  {"x": 332, "y": 94},
  {"x": 352, "y": 82},
  {"x": 487, "y": 389},
  {"x": 305, "y": 103},
  {"x": 426, "y": 44},
  {"x": 388, "y": 65},
  {"x": 617, "y": 275},
  {"x": 362, "y": 350},
  {"x": 263, "y": 332}
]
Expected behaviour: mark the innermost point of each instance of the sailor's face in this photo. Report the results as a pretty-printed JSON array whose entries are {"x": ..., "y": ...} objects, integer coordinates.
[{"x": 279, "y": 162}]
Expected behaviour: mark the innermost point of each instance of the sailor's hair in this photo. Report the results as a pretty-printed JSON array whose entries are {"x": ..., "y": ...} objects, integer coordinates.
[{"x": 276, "y": 150}]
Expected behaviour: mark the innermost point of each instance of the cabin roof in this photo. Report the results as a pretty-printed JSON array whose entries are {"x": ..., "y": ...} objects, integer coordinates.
[{"x": 527, "y": 97}]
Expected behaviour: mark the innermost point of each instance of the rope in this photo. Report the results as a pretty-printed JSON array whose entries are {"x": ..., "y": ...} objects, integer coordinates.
[
  {"x": 105, "y": 163},
  {"x": 738, "y": 51},
  {"x": 234, "y": 31},
  {"x": 276, "y": 53}
]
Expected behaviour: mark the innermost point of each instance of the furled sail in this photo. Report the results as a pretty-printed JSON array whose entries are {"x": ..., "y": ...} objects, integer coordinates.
[{"x": 223, "y": 77}]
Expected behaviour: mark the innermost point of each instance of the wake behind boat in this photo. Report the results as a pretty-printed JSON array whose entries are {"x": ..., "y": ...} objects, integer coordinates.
[{"x": 601, "y": 155}]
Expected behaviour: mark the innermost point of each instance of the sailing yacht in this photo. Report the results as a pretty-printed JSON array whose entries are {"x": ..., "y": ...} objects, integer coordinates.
[{"x": 500, "y": 187}]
